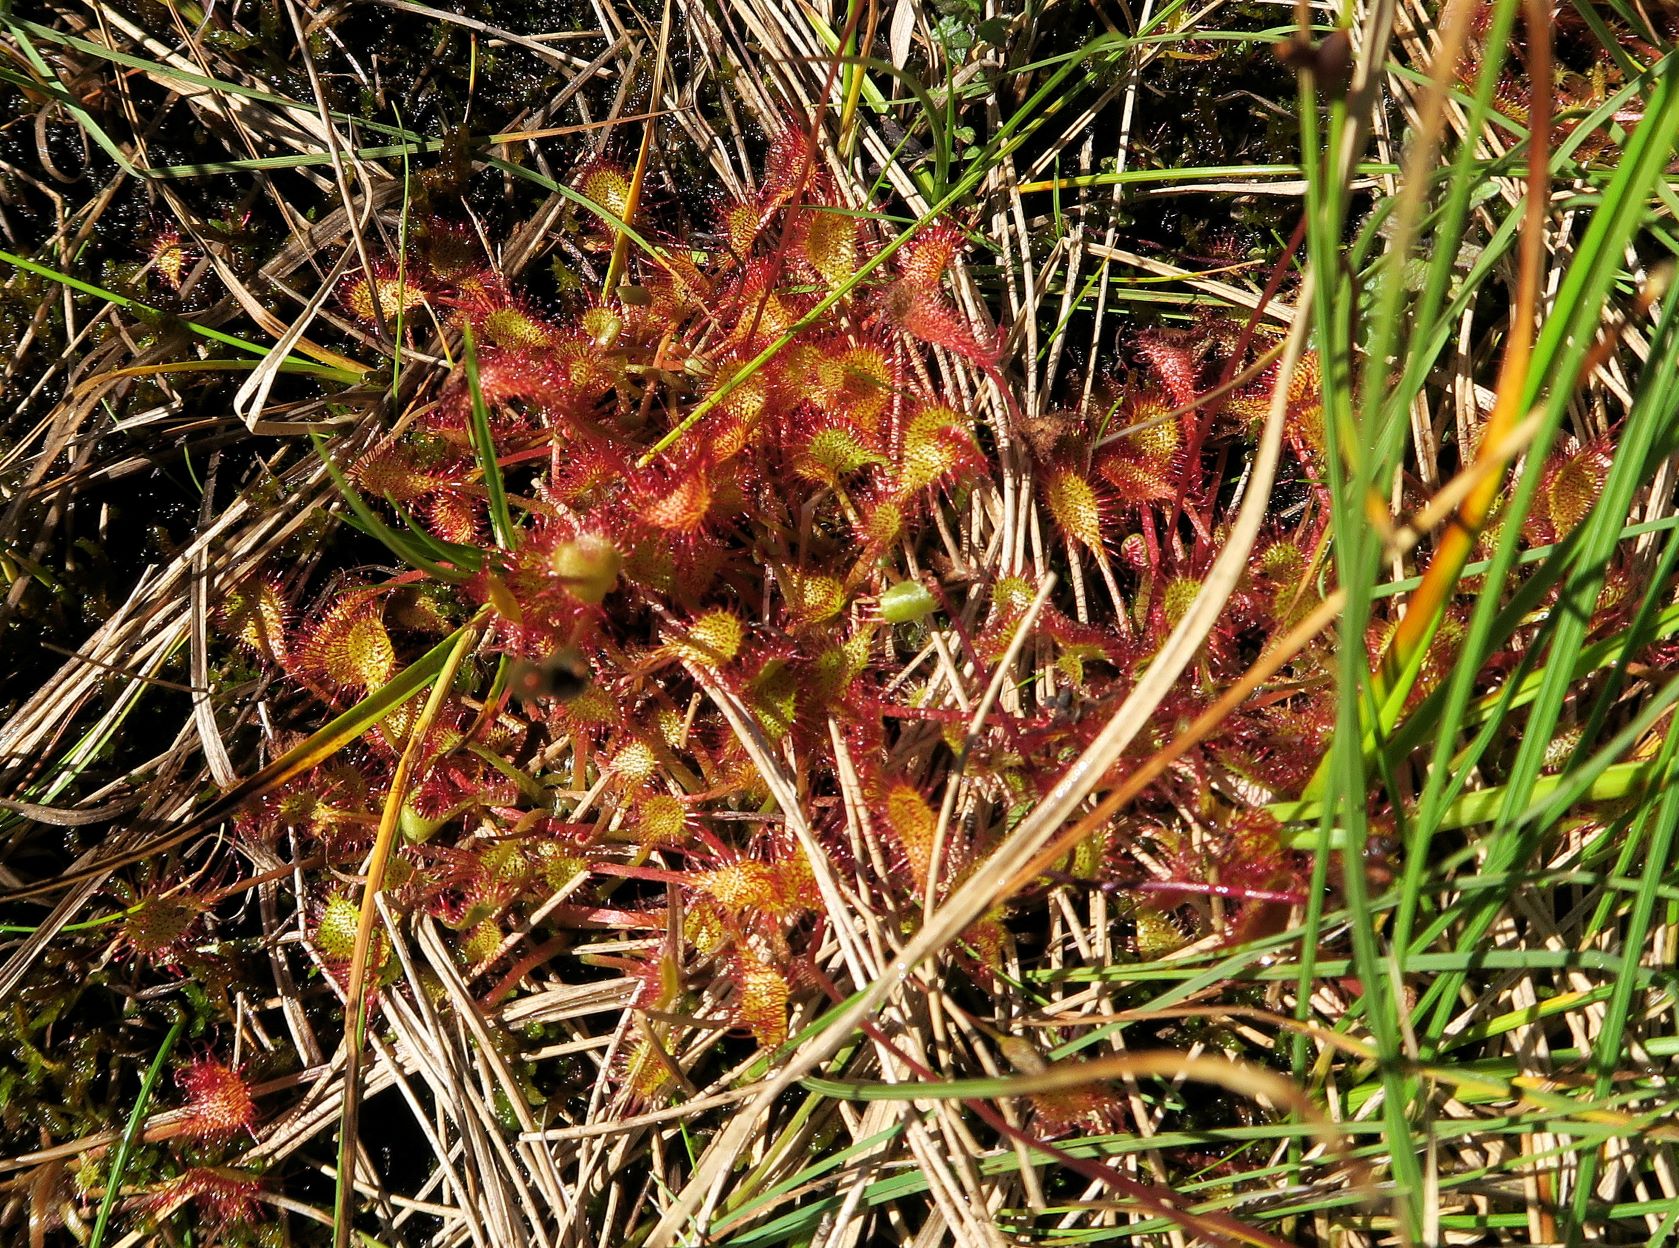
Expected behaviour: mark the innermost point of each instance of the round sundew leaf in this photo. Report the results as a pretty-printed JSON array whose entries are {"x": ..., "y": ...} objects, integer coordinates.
[
  {"x": 335, "y": 930},
  {"x": 712, "y": 640},
  {"x": 814, "y": 597},
  {"x": 416, "y": 828}
]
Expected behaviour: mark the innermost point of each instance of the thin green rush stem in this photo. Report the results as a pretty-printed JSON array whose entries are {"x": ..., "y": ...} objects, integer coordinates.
[
  {"x": 204, "y": 331},
  {"x": 131, "y": 1132},
  {"x": 356, "y": 990}
]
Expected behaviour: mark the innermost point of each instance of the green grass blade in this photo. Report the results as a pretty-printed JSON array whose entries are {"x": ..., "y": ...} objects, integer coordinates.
[
  {"x": 154, "y": 314},
  {"x": 405, "y": 546},
  {"x": 131, "y": 1132},
  {"x": 484, "y": 449}
]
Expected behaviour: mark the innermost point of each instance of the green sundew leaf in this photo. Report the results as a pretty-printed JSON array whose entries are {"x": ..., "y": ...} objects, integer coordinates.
[
  {"x": 403, "y": 545},
  {"x": 131, "y": 1132},
  {"x": 484, "y": 448}
]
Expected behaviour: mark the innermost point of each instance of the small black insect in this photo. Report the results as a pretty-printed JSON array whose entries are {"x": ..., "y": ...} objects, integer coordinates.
[{"x": 562, "y": 675}]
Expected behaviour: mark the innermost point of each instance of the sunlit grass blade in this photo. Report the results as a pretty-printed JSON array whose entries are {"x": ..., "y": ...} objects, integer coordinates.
[
  {"x": 417, "y": 549},
  {"x": 336, "y": 367},
  {"x": 484, "y": 448},
  {"x": 131, "y": 1132},
  {"x": 356, "y": 989}
]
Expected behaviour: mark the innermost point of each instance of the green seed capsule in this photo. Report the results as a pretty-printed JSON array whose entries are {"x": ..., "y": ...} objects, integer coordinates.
[
  {"x": 906, "y": 601},
  {"x": 415, "y": 826}
]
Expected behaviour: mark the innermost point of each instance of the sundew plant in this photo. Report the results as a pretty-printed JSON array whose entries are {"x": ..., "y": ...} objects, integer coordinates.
[{"x": 866, "y": 624}]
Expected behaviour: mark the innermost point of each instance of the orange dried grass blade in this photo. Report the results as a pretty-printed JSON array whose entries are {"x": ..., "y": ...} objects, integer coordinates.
[
  {"x": 1423, "y": 614},
  {"x": 854, "y": 84},
  {"x": 355, "y": 993},
  {"x": 621, "y": 245},
  {"x": 1155, "y": 765}
]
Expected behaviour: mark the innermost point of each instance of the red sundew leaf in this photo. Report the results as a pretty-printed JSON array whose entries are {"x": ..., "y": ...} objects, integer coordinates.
[
  {"x": 1081, "y": 511},
  {"x": 829, "y": 244},
  {"x": 514, "y": 327},
  {"x": 760, "y": 1000},
  {"x": 741, "y": 225},
  {"x": 914, "y": 824},
  {"x": 1568, "y": 490},
  {"x": 161, "y": 927},
  {"x": 1087, "y": 1110},
  {"x": 936, "y": 446},
  {"x": 789, "y": 168},
  {"x": 257, "y": 616},
  {"x": 1157, "y": 434},
  {"x": 450, "y": 251},
  {"x": 761, "y": 311},
  {"x": 476, "y": 293},
  {"x": 381, "y": 295},
  {"x": 924, "y": 312},
  {"x": 454, "y": 516},
  {"x": 224, "y": 1196},
  {"x": 347, "y": 649},
  {"x": 678, "y": 504},
  {"x": 924, "y": 259},
  {"x": 1136, "y": 480},
  {"x": 400, "y": 473},
  {"x": 218, "y": 1100},
  {"x": 170, "y": 257},
  {"x": 531, "y": 376},
  {"x": 1174, "y": 364}
]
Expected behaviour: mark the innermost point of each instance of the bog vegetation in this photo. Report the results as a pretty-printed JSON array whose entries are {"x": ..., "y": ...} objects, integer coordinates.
[{"x": 872, "y": 624}]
